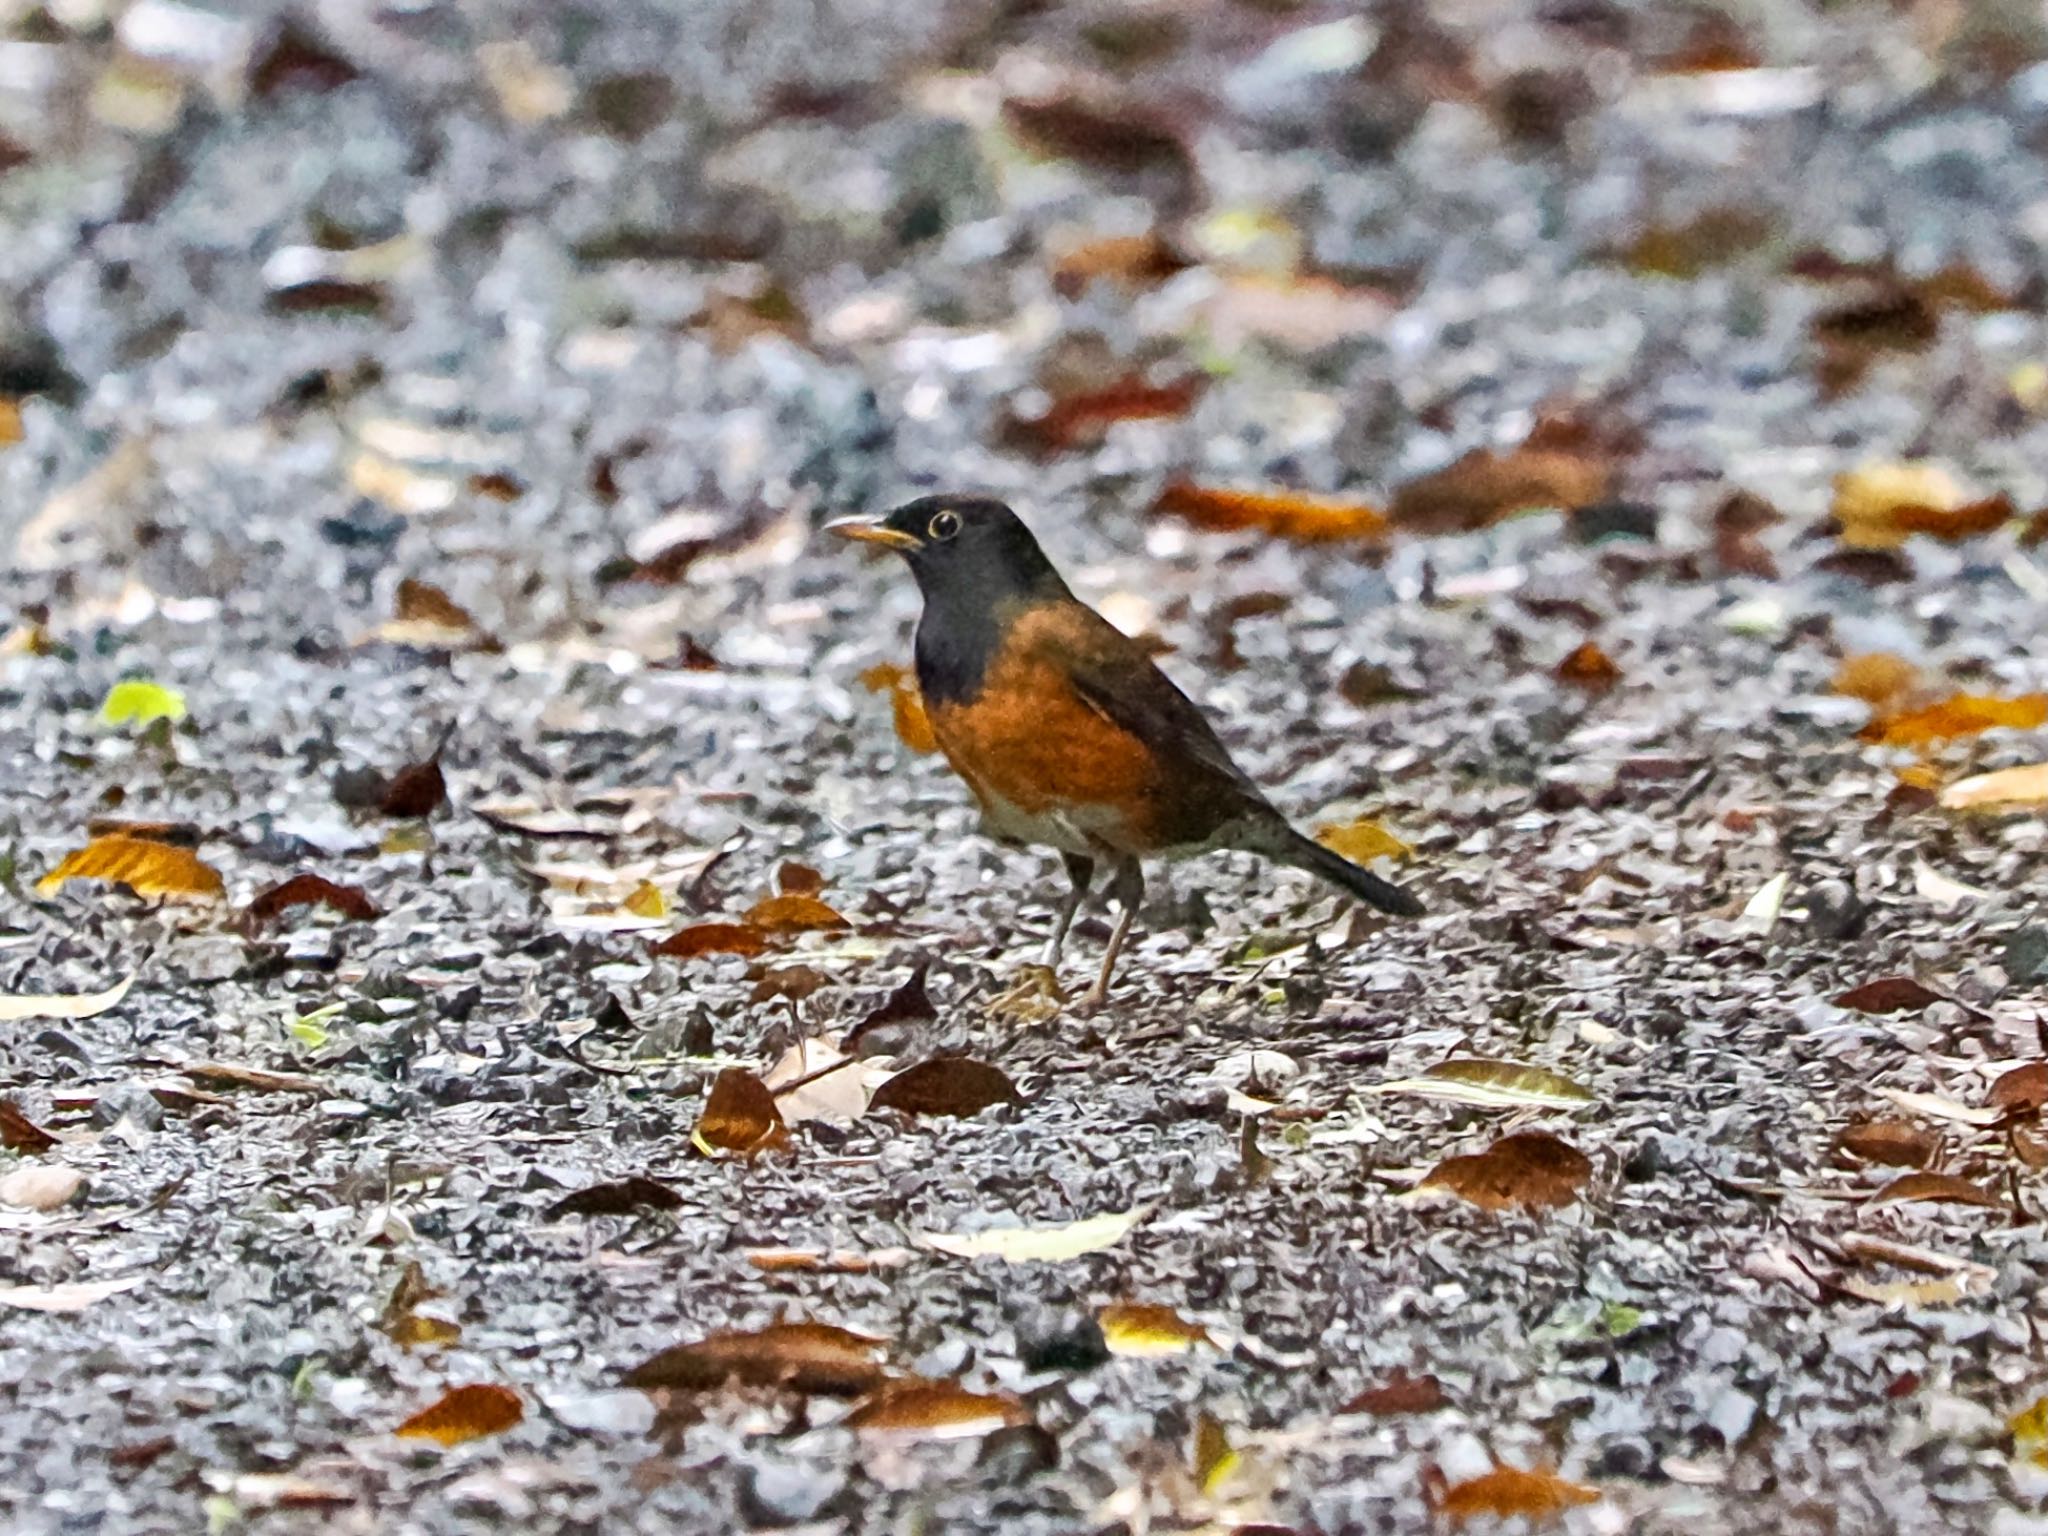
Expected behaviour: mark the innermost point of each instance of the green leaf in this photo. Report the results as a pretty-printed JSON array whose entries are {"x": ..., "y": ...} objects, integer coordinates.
[
  {"x": 1620, "y": 1319},
  {"x": 138, "y": 701},
  {"x": 309, "y": 1029}
]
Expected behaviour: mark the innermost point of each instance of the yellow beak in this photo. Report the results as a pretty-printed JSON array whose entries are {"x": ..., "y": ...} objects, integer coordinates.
[{"x": 874, "y": 533}]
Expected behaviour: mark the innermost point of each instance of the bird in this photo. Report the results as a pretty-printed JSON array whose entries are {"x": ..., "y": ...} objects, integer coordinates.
[{"x": 1068, "y": 734}]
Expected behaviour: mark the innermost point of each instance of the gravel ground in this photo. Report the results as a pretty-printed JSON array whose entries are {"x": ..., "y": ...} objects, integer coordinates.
[{"x": 587, "y": 318}]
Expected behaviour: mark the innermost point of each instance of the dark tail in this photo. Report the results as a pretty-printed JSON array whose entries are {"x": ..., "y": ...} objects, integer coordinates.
[{"x": 1288, "y": 846}]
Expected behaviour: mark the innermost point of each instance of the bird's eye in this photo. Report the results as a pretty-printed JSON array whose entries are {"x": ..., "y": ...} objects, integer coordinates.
[{"x": 944, "y": 525}]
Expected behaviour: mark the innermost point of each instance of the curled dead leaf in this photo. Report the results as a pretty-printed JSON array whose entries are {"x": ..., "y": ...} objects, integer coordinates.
[
  {"x": 620, "y": 1197},
  {"x": 799, "y": 1357},
  {"x": 18, "y": 1133},
  {"x": 740, "y": 1117},
  {"x": 466, "y": 1413},
  {"x": 147, "y": 868},
  {"x": 1492, "y": 1084},
  {"x": 1879, "y": 678},
  {"x": 1399, "y": 1394},
  {"x": 72, "y": 1005},
  {"x": 305, "y": 890},
  {"x": 1935, "y": 1189},
  {"x": 1049, "y": 1244},
  {"x": 1484, "y": 486},
  {"x": 2023, "y": 1090},
  {"x": 1531, "y": 1169},
  {"x": 1083, "y": 419}
]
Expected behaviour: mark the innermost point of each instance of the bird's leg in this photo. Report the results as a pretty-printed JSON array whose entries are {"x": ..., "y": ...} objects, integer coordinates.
[
  {"x": 1129, "y": 890},
  {"x": 1080, "y": 871}
]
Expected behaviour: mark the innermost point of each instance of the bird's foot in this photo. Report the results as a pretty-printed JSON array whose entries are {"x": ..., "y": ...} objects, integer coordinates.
[{"x": 1034, "y": 996}]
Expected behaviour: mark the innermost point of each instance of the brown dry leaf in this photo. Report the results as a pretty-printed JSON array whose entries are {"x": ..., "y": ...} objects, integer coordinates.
[
  {"x": 712, "y": 939},
  {"x": 1111, "y": 135},
  {"x": 798, "y": 880},
  {"x": 1893, "y": 1143},
  {"x": 1889, "y": 994},
  {"x": 1589, "y": 668},
  {"x": 1362, "y": 841},
  {"x": 1880, "y": 505},
  {"x": 10, "y": 419},
  {"x": 415, "y": 792},
  {"x": 71, "y": 1005},
  {"x": 146, "y": 868},
  {"x": 948, "y": 1085},
  {"x": 427, "y": 618},
  {"x": 621, "y": 1197},
  {"x": 1935, "y": 1189},
  {"x": 800, "y": 1357},
  {"x": 466, "y": 1413},
  {"x": 826, "y": 1261},
  {"x": 1134, "y": 261},
  {"x": 1879, "y": 678},
  {"x": 1285, "y": 514},
  {"x": 1398, "y": 1394},
  {"x": 1714, "y": 238},
  {"x": 1963, "y": 714},
  {"x": 908, "y": 1004},
  {"x": 230, "y": 1074},
  {"x": 1738, "y": 525},
  {"x": 405, "y": 1323},
  {"x": 1083, "y": 419},
  {"x": 913, "y": 726},
  {"x": 935, "y": 1410},
  {"x": 18, "y": 1133},
  {"x": 2023, "y": 1090},
  {"x": 1146, "y": 1331},
  {"x": 351, "y": 901},
  {"x": 2004, "y": 789},
  {"x": 1506, "y": 1493},
  {"x": 1484, "y": 486},
  {"x": 794, "y": 914},
  {"x": 1531, "y": 1169},
  {"x": 740, "y": 1117}
]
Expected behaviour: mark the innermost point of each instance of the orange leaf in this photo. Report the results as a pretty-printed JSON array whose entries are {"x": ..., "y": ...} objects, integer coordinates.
[
  {"x": 10, "y": 421},
  {"x": 18, "y": 1133},
  {"x": 1399, "y": 1393},
  {"x": 1964, "y": 714},
  {"x": 1893, "y": 1143},
  {"x": 1084, "y": 419},
  {"x": 1531, "y": 1169},
  {"x": 2022, "y": 1090},
  {"x": 740, "y": 1117},
  {"x": 794, "y": 914},
  {"x": 1362, "y": 841},
  {"x": 1144, "y": 1330},
  {"x": 802, "y": 1357},
  {"x": 1288, "y": 514},
  {"x": 798, "y": 880},
  {"x": 146, "y": 868},
  {"x": 935, "y": 1410},
  {"x": 350, "y": 901},
  {"x": 1589, "y": 668},
  {"x": 1935, "y": 1189},
  {"x": 1880, "y": 505},
  {"x": 1878, "y": 678},
  {"x": 1508, "y": 1492},
  {"x": 1137, "y": 261},
  {"x": 466, "y": 1413},
  {"x": 712, "y": 939}
]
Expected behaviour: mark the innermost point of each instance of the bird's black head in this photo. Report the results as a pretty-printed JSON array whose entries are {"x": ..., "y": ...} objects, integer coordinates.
[{"x": 965, "y": 548}]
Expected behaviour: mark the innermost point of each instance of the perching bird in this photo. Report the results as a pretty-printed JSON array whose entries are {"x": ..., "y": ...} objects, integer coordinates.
[{"x": 1064, "y": 729}]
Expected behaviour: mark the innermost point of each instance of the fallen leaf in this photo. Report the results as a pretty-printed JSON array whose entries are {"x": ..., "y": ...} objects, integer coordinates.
[
  {"x": 646, "y": 900},
  {"x": 2029, "y": 1431},
  {"x": 1738, "y": 523},
  {"x": 1531, "y": 1169},
  {"x": 1135, "y": 261},
  {"x": 1935, "y": 1189},
  {"x": 1211, "y": 1458},
  {"x": 1880, "y": 505},
  {"x": 1146, "y": 1331},
  {"x": 146, "y": 868},
  {"x": 1890, "y": 994},
  {"x": 1083, "y": 419},
  {"x": 232, "y": 1075},
  {"x": 1492, "y": 1084},
  {"x": 405, "y": 1323},
  {"x": 935, "y": 1410},
  {"x": 10, "y": 410},
  {"x": 1044, "y": 1244},
  {"x": 1506, "y": 1493},
  {"x": 18, "y": 1133},
  {"x": 304, "y": 890},
  {"x": 1907, "y": 1293},
  {"x": 1879, "y": 679},
  {"x": 1399, "y": 1394},
  {"x": 1362, "y": 841},
  {"x": 2023, "y": 1090},
  {"x": 43, "y": 1187},
  {"x": 712, "y": 939},
  {"x": 1111, "y": 136},
  {"x": 138, "y": 701},
  {"x": 427, "y": 618},
  {"x": 2002, "y": 789},
  {"x": 794, "y": 914},
  {"x": 75, "y": 1005},
  {"x": 1589, "y": 668},
  {"x": 1484, "y": 486},
  {"x": 740, "y": 1117},
  {"x": 1287, "y": 515},
  {"x": 1893, "y": 1143},
  {"x": 795, "y": 982},
  {"x": 913, "y": 726},
  {"x": 827, "y": 1261},
  {"x": 799, "y": 1357},
  {"x": 948, "y": 1085},
  {"x": 815, "y": 1081},
  {"x": 798, "y": 880},
  {"x": 1935, "y": 1107},
  {"x": 75, "y": 1297},
  {"x": 1963, "y": 714},
  {"x": 466, "y": 1413},
  {"x": 1713, "y": 238},
  {"x": 622, "y": 1197},
  {"x": 416, "y": 791}
]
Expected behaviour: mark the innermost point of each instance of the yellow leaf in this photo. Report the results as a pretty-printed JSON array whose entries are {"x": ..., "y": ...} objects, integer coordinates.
[
  {"x": 1029, "y": 1245},
  {"x": 1963, "y": 714},
  {"x": 1143, "y": 1331},
  {"x": 138, "y": 701},
  {"x": 1993, "y": 791},
  {"x": 1492, "y": 1084},
  {"x": 1880, "y": 505},
  {"x": 1362, "y": 841},
  {"x": 466, "y": 1413},
  {"x": 146, "y": 868},
  {"x": 2029, "y": 1428},
  {"x": 647, "y": 900}
]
